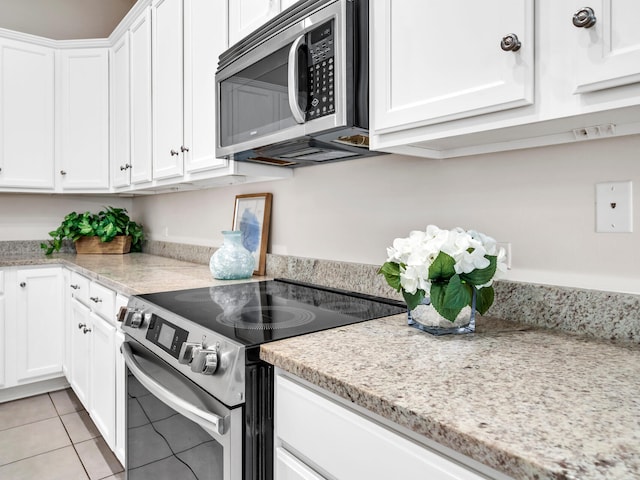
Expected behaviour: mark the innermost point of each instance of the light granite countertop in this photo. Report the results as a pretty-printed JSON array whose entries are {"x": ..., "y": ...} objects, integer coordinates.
[
  {"x": 532, "y": 403},
  {"x": 526, "y": 401},
  {"x": 130, "y": 274}
]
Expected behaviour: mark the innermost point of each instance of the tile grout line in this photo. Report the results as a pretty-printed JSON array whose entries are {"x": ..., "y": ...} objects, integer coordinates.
[{"x": 73, "y": 445}]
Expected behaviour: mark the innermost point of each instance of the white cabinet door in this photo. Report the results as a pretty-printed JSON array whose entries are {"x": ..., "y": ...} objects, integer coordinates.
[
  {"x": 80, "y": 351},
  {"x": 120, "y": 114},
  {"x": 167, "y": 47},
  {"x": 205, "y": 38},
  {"x": 121, "y": 388},
  {"x": 435, "y": 61},
  {"x": 39, "y": 324},
  {"x": 102, "y": 396},
  {"x": 3, "y": 337},
  {"x": 247, "y": 15},
  {"x": 140, "y": 89},
  {"x": 607, "y": 54},
  {"x": 84, "y": 119},
  {"x": 27, "y": 117}
]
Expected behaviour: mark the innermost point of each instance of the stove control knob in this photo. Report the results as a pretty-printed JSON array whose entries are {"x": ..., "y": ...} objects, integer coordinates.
[
  {"x": 136, "y": 320},
  {"x": 205, "y": 361},
  {"x": 187, "y": 351}
]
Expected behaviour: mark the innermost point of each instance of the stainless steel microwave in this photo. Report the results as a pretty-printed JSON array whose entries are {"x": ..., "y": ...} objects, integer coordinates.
[{"x": 296, "y": 91}]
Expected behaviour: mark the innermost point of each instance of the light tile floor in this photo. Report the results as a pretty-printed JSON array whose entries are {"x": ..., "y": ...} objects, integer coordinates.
[{"x": 51, "y": 437}]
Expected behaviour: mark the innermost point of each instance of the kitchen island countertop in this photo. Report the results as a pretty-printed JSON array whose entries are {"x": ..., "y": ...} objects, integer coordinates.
[{"x": 529, "y": 402}]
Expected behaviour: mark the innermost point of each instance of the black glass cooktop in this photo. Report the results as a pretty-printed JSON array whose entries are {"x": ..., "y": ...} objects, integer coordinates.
[{"x": 259, "y": 312}]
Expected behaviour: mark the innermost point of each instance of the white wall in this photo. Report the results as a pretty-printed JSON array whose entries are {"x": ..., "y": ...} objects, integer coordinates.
[
  {"x": 540, "y": 200},
  {"x": 32, "y": 217}
]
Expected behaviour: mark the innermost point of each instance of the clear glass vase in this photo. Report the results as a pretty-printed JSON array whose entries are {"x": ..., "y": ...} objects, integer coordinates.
[
  {"x": 232, "y": 261},
  {"x": 424, "y": 317}
]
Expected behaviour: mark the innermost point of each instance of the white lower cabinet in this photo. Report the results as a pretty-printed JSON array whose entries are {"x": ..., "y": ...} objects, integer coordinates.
[
  {"x": 38, "y": 326},
  {"x": 314, "y": 432},
  {"x": 92, "y": 340},
  {"x": 31, "y": 331},
  {"x": 3, "y": 333},
  {"x": 121, "y": 388}
]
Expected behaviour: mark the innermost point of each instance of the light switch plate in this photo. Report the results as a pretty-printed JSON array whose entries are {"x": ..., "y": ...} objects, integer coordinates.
[{"x": 614, "y": 211}]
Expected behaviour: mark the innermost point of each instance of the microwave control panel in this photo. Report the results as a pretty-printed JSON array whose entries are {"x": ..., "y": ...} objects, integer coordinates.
[{"x": 320, "y": 78}]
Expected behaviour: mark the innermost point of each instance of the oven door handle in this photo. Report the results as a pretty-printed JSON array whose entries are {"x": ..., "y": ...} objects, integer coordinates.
[{"x": 207, "y": 420}]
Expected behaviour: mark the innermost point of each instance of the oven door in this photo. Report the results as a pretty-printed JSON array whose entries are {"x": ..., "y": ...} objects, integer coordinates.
[
  {"x": 264, "y": 94},
  {"x": 176, "y": 430}
]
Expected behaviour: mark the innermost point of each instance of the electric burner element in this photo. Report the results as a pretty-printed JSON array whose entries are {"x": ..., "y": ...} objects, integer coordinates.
[{"x": 268, "y": 318}]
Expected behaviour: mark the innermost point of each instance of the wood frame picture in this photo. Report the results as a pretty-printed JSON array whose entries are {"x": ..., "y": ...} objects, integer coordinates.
[{"x": 252, "y": 215}]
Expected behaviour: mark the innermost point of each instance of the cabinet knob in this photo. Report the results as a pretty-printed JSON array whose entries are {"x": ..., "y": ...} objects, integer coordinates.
[
  {"x": 584, "y": 18},
  {"x": 184, "y": 149},
  {"x": 75, "y": 287},
  {"x": 173, "y": 152},
  {"x": 125, "y": 167},
  {"x": 95, "y": 299},
  {"x": 510, "y": 43},
  {"x": 81, "y": 326},
  {"x": 63, "y": 172},
  {"x": 86, "y": 330},
  {"x": 23, "y": 284}
]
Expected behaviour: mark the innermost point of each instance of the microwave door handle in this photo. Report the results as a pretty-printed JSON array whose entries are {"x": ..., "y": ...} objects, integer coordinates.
[
  {"x": 207, "y": 420},
  {"x": 292, "y": 86}
]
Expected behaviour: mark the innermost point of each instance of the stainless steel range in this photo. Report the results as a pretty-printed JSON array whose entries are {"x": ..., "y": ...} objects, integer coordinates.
[{"x": 199, "y": 399}]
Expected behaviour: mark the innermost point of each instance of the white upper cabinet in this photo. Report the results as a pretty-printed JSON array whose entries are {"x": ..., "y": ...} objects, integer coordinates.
[
  {"x": 84, "y": 119},
  {"x": 205, "y": 38},
  {"x": 120, "y": 125},
  {"x": 27, "y": 118},
  {"x": 606, "y": 42},
  {"x": 437, "y": 61},
  {"x": 247, "y": 15},
  {"x": 443, "y": 85},
  {"x": 140, "y": 100},
  {"x": 168, "y": 88}
]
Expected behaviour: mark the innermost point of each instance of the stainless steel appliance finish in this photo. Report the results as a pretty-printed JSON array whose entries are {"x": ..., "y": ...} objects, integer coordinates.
[
  {"x": 296, "y": 92},
  {"x": 199, "y": 399}
]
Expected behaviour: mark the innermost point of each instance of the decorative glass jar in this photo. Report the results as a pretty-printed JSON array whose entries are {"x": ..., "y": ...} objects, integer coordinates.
[
  {"x": 426, "y": 318},
  {"x": 232, "y": 261}
]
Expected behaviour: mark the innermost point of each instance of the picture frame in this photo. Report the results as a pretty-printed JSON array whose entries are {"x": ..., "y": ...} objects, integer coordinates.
[{"x": 252, "y": 216}]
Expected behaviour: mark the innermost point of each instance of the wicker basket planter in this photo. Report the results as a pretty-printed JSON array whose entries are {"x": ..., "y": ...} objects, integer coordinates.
[{"x": 119, "y": 245}]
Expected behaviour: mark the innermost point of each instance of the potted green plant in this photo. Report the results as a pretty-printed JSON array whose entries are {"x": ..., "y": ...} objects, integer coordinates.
[{"x": 109, "y": 231}]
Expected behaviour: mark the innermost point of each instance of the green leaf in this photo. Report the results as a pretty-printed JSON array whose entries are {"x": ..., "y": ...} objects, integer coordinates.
[
  {"x": 441, "y": 270},
  {"x": 480, "y": 277},
  {"x": 391, "y": 272},
  {"x": 449, "y": 299},
  {"x": 413, "y": 300},
  {"x": 484, "y": 299}
]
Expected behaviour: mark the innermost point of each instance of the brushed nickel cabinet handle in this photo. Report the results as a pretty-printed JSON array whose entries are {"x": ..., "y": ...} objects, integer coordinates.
[
  {"x": 510, "y": 43},
  {"x": 584, "y": 18}
]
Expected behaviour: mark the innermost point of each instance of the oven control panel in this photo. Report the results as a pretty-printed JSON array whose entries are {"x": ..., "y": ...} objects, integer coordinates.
[
  {"x": 166, "y": 335},
  {"x": 210, "y": 360}
]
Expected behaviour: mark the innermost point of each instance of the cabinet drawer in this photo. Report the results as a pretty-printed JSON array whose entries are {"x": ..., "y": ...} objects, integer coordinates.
[
  {"x": 80, "y": 287},
  {"x": 321, "y": 430},
  {"x": 102, "y": 301}
]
